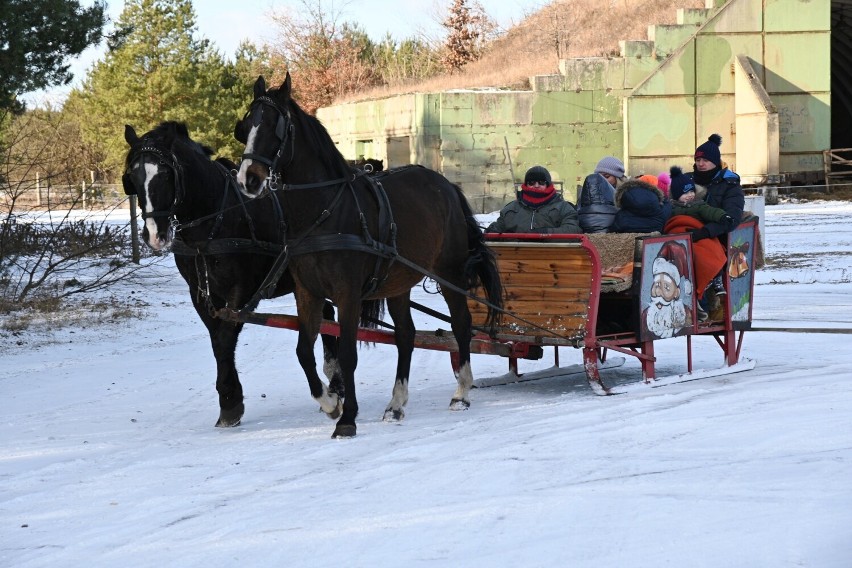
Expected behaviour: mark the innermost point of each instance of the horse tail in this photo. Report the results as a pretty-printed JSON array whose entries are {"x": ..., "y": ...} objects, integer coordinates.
[
  {"x": 372, "y": 311},
  {"x": 481, "y": 266}
]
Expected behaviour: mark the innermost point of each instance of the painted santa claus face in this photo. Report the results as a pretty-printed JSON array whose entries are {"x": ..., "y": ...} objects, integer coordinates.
[
  {"x": 664, "y": 289},
  {"x": 666, "y": 313}
]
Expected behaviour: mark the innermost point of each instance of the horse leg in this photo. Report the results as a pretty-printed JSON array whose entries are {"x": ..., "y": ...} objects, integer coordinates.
[
  {"x": 309, "y": 309},
  {"x": 348, "y": 312},
  {"x": 223, "y": 339},
  {"x": 400, "y": 311},
  {"x": 330, "y": 366},
  {"x": 461, "y": 325}
]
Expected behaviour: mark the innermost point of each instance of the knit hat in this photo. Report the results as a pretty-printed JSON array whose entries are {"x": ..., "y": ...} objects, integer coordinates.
[
  {"x": 649, "y": 179},
  {"x": 610, "y": 165},
  {"x": 680, "y": 183},
  {"x": 536, "y": 196},
  {"x": 537, "y": 173},
  {"x": 672, "y": 261},
  {"x": 710, "y": 150},
  {"x": 664, "y": 180}
]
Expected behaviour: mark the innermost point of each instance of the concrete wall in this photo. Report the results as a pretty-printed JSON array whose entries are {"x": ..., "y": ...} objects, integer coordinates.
[
  {"x": 787, "y": 43},
  {"x": 760, "y": 68}
]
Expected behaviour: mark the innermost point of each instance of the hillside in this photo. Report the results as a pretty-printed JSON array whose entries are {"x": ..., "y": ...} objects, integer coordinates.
[{"x": 560, "y": 30}]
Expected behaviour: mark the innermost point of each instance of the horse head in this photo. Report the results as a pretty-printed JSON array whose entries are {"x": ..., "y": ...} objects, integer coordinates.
[
  {"x": 154, "y": 174},
  {"x": 266, "y": 129},
  {"x": 284, "y": 144}
]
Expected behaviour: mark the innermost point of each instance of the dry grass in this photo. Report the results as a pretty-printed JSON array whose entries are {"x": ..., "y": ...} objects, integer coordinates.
[{"x": 561, "y": 30}]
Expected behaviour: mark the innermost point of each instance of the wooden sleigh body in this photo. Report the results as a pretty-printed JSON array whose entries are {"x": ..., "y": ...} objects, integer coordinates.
[{"x": 559, "y": 292}]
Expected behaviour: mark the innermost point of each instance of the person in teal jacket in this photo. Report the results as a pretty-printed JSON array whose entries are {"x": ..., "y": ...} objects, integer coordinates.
[{"x": 539, "y": 208}]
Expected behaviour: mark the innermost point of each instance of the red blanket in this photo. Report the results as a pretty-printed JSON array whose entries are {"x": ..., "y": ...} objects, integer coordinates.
[{"x": 708, "y": 255}]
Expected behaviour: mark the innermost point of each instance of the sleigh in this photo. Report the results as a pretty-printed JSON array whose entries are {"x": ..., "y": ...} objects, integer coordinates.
[{"x": 560, "y": 291}]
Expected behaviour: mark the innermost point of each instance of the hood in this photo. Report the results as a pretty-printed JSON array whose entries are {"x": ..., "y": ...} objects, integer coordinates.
[{"x": 638, "y": 185}]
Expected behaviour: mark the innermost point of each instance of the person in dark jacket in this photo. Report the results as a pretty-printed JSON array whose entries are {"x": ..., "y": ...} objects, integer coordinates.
[
  {"x": 642, "y": 208},
  {"x": 723, "y": 189},
  {"x": 692, "y": 201},
  {"x": 539, "y": 208},
  {"x": 596, "y": 204}
]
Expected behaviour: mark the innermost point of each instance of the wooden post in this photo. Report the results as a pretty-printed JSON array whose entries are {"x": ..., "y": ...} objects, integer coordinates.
[{"x": 134, "y": 231}]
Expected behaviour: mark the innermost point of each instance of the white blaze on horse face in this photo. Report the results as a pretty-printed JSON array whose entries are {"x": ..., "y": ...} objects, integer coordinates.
[
  {"x": 242, "y": 174},
  {"x": 154, "y": 241}
]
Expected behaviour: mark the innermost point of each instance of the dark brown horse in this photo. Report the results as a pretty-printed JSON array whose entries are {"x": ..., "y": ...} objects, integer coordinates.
[
  {"x": 353, "y": 237},
  {"x": 224, "y": 245}
]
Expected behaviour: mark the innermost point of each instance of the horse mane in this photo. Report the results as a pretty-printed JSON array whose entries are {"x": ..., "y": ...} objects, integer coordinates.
[
  {"x": 319, "y": 139},
  {"x": 167, "y": 134}
]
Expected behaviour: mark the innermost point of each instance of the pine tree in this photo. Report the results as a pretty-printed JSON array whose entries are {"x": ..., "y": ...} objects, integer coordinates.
[
  {"x": 159, "y": 71},
  {"x": 36, "y": 39}
]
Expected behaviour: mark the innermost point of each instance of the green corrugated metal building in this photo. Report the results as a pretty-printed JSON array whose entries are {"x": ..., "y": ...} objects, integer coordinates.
[{"x": 758, "y": 72}]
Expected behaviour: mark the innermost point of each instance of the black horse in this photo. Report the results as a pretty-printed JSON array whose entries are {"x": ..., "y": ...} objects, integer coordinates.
[
  {"x": 369, "y": 165},
  {"x": 357, "y": 237},
  {"x": 224, "y": 244}
]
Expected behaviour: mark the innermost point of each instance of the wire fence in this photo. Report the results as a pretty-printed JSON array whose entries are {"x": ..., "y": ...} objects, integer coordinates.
[{"x": 49, "y": 196}]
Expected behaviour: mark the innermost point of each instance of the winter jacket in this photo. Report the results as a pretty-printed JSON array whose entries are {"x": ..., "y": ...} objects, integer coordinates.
[
  {"x": 724, "y": 192},
  {"x": 596, "y": 205},
  {"x": 642, "y": 208},
  {"x": 555, "y": 216},
  {"x": 708, "y": 254},
  {"x": 700, "y": 210}
]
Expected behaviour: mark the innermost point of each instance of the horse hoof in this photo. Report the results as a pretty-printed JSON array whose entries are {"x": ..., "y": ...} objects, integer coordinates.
[
  {"x": 459, "y": 404},
  {"x": 335, "y": 413},
  {"x": 227, "y": 423},
  {"x": 230, "y": 418},
  {"x": 344, "y": 431},
  {"x": 392, "y": 415}
]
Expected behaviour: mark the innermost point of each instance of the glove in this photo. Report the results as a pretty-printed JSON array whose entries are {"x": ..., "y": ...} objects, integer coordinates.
[{"x": 698, "y": 234}]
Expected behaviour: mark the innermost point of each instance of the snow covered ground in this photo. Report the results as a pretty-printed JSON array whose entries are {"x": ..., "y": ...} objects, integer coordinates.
[{"x": 108, "y": 455}]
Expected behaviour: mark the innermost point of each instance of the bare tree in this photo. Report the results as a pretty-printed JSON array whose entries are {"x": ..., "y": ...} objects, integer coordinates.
[
  {"x": 51, "y": 247},
  {"x": 469, "y": 31},
  {"x": 326, "y": 57}
]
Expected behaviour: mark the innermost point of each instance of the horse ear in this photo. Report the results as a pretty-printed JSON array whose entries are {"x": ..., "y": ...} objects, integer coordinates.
[
  {"x": 130, "y": 135},
  {"x": 286, "y": 86},
  {"x": 259, "y": 87},
  {"x": 240, "y": 132}
]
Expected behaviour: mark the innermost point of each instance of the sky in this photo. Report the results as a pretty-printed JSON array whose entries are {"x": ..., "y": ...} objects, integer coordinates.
[
  {"x": 110, "y": 458},
  {"x": 226, "y": 23}
]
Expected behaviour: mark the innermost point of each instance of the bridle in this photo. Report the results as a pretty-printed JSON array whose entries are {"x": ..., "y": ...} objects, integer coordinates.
[
  {"x": 284, "y": 131},
  {"x": 169, "y": 160}
]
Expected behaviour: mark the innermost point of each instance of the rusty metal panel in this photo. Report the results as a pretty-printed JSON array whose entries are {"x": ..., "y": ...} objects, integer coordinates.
[
  {"x": 791, "y": 72},
  {"x": 797, "y": 15},
  {"x": 715, "y": 56},
  {"x": 676, "y": 76}
]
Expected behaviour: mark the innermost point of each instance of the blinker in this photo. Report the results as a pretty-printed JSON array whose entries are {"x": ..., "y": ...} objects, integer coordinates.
[{"x": 128, "y": 185}]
